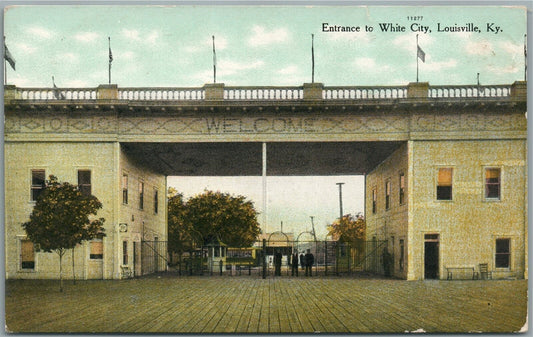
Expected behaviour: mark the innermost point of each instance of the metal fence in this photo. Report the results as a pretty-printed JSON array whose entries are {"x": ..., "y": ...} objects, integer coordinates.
[{"x": 265, "y": 259}]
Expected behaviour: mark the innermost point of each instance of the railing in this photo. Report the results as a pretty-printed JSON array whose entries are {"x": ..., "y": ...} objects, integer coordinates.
[
  {"x": 462, "y": 91},
  {"x": 170, "y": 94},
  {"x": 263, "y": 93},
  {"x": 364, "y": 92},
  {"x": 40, "y": 94}
]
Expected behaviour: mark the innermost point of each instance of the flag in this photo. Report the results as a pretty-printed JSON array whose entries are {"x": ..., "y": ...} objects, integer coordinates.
[
  {"x": 110, "y": 55},
  {"x": 58, "y": 94},
  {"x": 9, "y": 58},
  {"x": 420, "y": 53}
]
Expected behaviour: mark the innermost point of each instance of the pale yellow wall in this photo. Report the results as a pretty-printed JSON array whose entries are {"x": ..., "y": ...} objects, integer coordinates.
[
  {"x": 106, "y": 162},
  {"x": 130, "y": 213},
  {"x": 389, "y": 224},
  {"x": 62, "y": 160},
  {"x": 468, "y": 225}
]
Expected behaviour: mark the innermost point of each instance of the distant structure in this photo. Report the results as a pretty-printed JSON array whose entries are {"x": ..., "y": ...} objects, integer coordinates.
[{"x": 445, "y": 166}]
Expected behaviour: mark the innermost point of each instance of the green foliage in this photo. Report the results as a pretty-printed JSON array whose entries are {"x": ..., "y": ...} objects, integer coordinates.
[
  {"x": 351, "y": 229},
  {"x": 215, "y": 216},
  {"x": 61, "y": 217},
  {"x": 179, "y": 232}
]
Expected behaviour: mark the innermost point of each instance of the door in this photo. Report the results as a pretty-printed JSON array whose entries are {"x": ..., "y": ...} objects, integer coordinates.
[{"x": 431, "y": 256}]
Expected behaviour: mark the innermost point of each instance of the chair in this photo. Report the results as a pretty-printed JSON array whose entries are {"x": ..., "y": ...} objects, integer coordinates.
[{"x": 484, "y": 272}]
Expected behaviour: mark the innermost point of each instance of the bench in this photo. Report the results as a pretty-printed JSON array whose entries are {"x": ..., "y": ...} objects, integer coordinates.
[
  {"x": 126, "y": 272},
  {"x": 460, "y": 270}
]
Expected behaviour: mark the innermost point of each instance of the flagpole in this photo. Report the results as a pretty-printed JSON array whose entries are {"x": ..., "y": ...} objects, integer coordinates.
[
  {"x": 416, "y": 58},
  {"x": 525, "y": 57},
  {"x": 109, "y": 68},
  {"x": 214, "y": 62},
  {"x": 5, "y": 65},
  {"x": 312, "y": 58}
]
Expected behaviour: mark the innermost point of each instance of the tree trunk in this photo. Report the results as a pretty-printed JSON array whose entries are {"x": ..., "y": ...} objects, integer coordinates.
[
  {"x": 73, "y": 270},
  {"x": 60, "y": 270}
]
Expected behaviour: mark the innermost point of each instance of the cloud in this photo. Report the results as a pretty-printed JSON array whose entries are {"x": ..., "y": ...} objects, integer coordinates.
[
  {"x": 207, "y": 45},
  {"x": 511, "y": 48},
  {"x": 289, "y": 70},
  {"x": 25, "y": 48},
  {"x": 509, "y": 69},
  {"x": 86, "y": 36},
  {"x": 134, "y": 35},
  {"x": 440, "y": 65},
  {"x": 408, "y": 42},
  {"x": 369, "y": 64},
  {"x": 40, "y": 32},
  {"x": 228, "y": 68},
  {"x": 479, "y": 48},
  {"x": 349, "y": 37},
  {"x": 68, "y": 57},
  {"x": 261, "y": 37}
]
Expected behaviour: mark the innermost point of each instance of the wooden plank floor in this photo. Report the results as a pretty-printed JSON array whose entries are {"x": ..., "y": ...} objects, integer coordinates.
[{"x": 274, "y": 305}]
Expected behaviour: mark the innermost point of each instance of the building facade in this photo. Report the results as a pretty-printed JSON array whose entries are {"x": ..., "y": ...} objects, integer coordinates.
[{"x": 445, "y": 166}]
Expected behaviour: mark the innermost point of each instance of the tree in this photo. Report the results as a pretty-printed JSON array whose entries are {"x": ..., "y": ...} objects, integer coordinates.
[
  {"x": 230, "y": 219},
  {"x": 179, "y": 231},
  {"x": 61, "y": 219},
  {"x": 350, "y": 229}
]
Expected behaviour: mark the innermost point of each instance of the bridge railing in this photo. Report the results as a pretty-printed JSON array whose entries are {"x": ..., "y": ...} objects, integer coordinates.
[
  {"x": 263, "y": 93},
  {"x": 364, "y": 92},
  {"x": 171, "y": 94},
  {"x": 290, "y": 93},
  {"x": 462, "y": 91},
  {"x": 40, "y": 94}
]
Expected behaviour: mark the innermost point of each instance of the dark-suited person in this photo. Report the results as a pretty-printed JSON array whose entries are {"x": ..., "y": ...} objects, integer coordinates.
[
  {"x": 277, "y": 264},
  {"x": 309, "y": 261},
  {"x": 294, "y": 264},
  {"x": 302, "y": 261}
]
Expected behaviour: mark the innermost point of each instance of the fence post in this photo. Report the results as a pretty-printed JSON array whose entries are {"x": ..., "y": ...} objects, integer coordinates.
[
  {"x": 326, "y": 257},
  {"x": 220, "y": 266},
  {"x": 264, "y": 258}
]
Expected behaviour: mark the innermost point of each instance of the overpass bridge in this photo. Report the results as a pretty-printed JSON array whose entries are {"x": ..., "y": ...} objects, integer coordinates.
[{"x": 399, "y": 137}]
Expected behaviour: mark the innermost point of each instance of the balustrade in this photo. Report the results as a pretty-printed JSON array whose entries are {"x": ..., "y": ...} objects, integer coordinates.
[
  {"x": 469, "y": 91},
  {"x": 40, "y": 94},
  {"x": 164, "y": 94},
  {"x": 364, "y": 92},
  {"x": 263, "y": 93}
]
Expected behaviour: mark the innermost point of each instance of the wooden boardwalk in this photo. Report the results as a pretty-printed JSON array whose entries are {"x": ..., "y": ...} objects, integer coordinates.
[{"x": 274, "y": 305}]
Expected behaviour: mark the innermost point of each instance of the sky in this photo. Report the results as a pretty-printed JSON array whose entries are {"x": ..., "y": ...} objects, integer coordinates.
[{"x": 270, "y": 46}]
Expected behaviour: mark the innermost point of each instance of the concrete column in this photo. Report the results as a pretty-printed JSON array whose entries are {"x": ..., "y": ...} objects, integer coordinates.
[
  {"x": 313, "y": 90},
  {"x": 519, "y": 90},
  {"x": 214, "y": 91},
  {"x": 107, "y": 91},
  {"x": 418, "y": 90},
  {"x": 10, "y": 92}
]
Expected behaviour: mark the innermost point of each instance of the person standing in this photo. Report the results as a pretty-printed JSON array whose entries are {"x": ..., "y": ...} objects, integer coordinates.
[
  {"x": 294, "y": 264},
  {"x": 302, "y": 261},
  {"x": 309, "y": 261},
  {"x": 277, "y": 263}
]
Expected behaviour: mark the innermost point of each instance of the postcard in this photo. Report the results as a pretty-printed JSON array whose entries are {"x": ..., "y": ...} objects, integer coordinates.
[{"x": 265, "y": 169}]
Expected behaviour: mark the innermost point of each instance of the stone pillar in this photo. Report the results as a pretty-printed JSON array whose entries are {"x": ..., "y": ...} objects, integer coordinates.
[
  {"x": 418, "y": 90},
  {"x": 313, "y": 90},
  {"x": 10, "y": 92},
  {"x": 214, "y": 91},
  {"x": 519, "y": 90},
  {"x": 107, "y": 91}
]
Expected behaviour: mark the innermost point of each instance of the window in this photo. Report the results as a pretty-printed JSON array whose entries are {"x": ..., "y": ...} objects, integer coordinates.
[
  {"x": 141, "y": 195},
  {"x": 387, "y": 195},
  {"x": 37, "y": 183},
  {"x": 125, "y": 189},
  {"x": 84, "y": 182},
  {"x": 492, "y": 183},
  {"x": 402, "y": 189},
  {"x": 444, "y": 184},
  {"x": 27, "y": 254},
  {"x": 374, "y": 200},
  {"x": 156, "y": 201},
  {"x": 503, "y": 253},
  {"x": 124, "y": 252},
  {"x": 97, "y": 250}
]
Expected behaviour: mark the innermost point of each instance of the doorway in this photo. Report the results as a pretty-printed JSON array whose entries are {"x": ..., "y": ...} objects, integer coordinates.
[{"x": 431, "y": 256}]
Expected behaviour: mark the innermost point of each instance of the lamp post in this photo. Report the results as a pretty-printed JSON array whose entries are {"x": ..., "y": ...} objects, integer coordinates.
[{"x": 340, "y": 200}]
